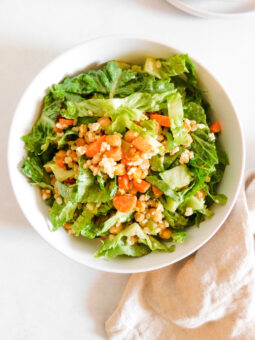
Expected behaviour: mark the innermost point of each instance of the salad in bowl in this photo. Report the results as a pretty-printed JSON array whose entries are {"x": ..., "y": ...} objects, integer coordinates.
[{"x": 127, "y": 154}]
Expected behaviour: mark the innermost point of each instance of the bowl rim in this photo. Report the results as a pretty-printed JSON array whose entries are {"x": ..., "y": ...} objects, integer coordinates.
[
  {"x": 206, "y": 14},
  {"x": 144, "y": 39}
]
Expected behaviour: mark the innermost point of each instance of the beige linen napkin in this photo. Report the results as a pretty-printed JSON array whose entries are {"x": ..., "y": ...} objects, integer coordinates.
[{"x": 209, "y": 295}]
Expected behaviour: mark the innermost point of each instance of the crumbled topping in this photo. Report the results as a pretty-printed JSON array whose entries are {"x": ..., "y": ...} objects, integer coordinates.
[
  {"x": 94, "y": 126},
  {"x": 186, "y": 156},
  {"x": 59, "y": 200},
  {"x": 188, "y": 211},
  {"x": 81, "y": 150},
  {"x": 60, "y": 126},
  {"x": 201, "y": 126},
  {"x": 211, "y": 136},
  {"x": 107, "y": 165},
  {"x": 144, "y": 197},
  {"x": 104, "y": 147}
]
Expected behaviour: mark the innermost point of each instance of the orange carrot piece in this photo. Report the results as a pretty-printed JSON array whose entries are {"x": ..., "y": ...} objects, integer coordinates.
[
  {"x": 60, "y": 162},
  {"x": 141, "y": 144},
  {"x": 124, "y": 161},
  {"x": 123, "y": 182},
  {"x": 95, "y": 147},
  {"x": 115, "y": 153},
  {"x": 67, "y": 122},
  {"x": 141, "y": 185},
  {"x": 125, "y": 203},
  {"x": 162, "y": 120},
  {"x": 215, "y": 127},
  {"x": 157, "y": 193},
  {"x": 80, "y": 142},
  {"x": 56, "y": 129}
]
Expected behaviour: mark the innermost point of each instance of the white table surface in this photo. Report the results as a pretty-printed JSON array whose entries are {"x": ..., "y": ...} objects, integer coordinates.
[{"x": 44, "y": 295}]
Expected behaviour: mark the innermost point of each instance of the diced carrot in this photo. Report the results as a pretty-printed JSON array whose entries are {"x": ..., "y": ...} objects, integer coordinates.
[
  {"x": 67, "y": 122},
  {"x": 56, "y": 129},
  {"x": 123, "y": 182},
  {"x": 124, "y": 161},
  {"x": 162, "y": 120},
  {"x": 124, "y": 203},
  {"x": 60, "y": 162},
  {"x": 120, "y": 169},
  {"x": 157, "y": 193},
  {"x": 80, "y": 142},
  {"x": 215, "y": 127},
  {"x": 94, "y": 148},
  {"x": 60, "y": 154},
  {"x": 133, "y": 155},
  {"x": 141, "y": 185},
  {"x": 115, "y": 153},
  {"x": 130, "y": 135},
  {"x": 104, "y": 121},
  {"x": 125, "y": 147},
  {"x": 141, "y": 144}
]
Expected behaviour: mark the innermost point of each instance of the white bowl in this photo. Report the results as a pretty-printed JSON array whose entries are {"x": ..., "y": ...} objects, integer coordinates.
[{"x": 85, "y": 57}]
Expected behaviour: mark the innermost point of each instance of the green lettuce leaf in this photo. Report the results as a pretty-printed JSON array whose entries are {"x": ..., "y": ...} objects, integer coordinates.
[
  {"x": 91, "y": 192},
  {"x": 95, "y": 194},
  {"x": 84, "y": 225},
  {"x": 194, "y": 111},
  {"x": 157, "y": 163},
  {"x": 132, "y": 230},
  {"x": 166, "y": 68},
  {"x": 177, "y": 177},
  {"x": 134, "y": 106},
  {"x": 122, "y": 248},
  {"x": 104, "y": 208},
  {"x": 163, "y": 186},
  {"x": 61, "y": 174},
  {"x": 42, "y": 134},
  {"x": 172, "y": 161},
  {"x": 175, "y": 113},
  {"x": 223, "y": 161},
  {"x": 175, "y": 220},
  {"x": 68, "y": 135},
  {"x": 217, "y": 198},
  {"x": 179, "y": 236},
  {"x": 33, "y": 169},
  {"x": 112, "y": 80},
  {"x": 118, "y": 217},
  {"x": 62, "y": 213},
  {"x": 85, "y": 179},
  {"x": 205, "y": 155},
  {"x": 123, "y": 122}
]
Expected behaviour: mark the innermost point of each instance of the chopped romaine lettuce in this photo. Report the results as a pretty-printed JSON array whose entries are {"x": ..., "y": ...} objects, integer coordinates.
[
  {"x": 165, "y": 68},
  {"x": 33, "y": 169},
  {"x": 62, "y": 213},
  {"x": 61, "y": 174},
  {"x": 175, "y": 112},
  {"x": 119, "y": 217},
  {"x": 177, "y": 177},
  {"x": 132, "y": 230},
  {"x": 112, "y": 80}
]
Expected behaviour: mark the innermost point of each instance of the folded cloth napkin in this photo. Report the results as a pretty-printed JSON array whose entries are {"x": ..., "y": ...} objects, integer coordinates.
[{"x": 208, "y": 295}]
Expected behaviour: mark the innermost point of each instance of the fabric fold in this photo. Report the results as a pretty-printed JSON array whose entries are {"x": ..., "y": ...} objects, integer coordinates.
[{"x": 208, "y": 295}]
